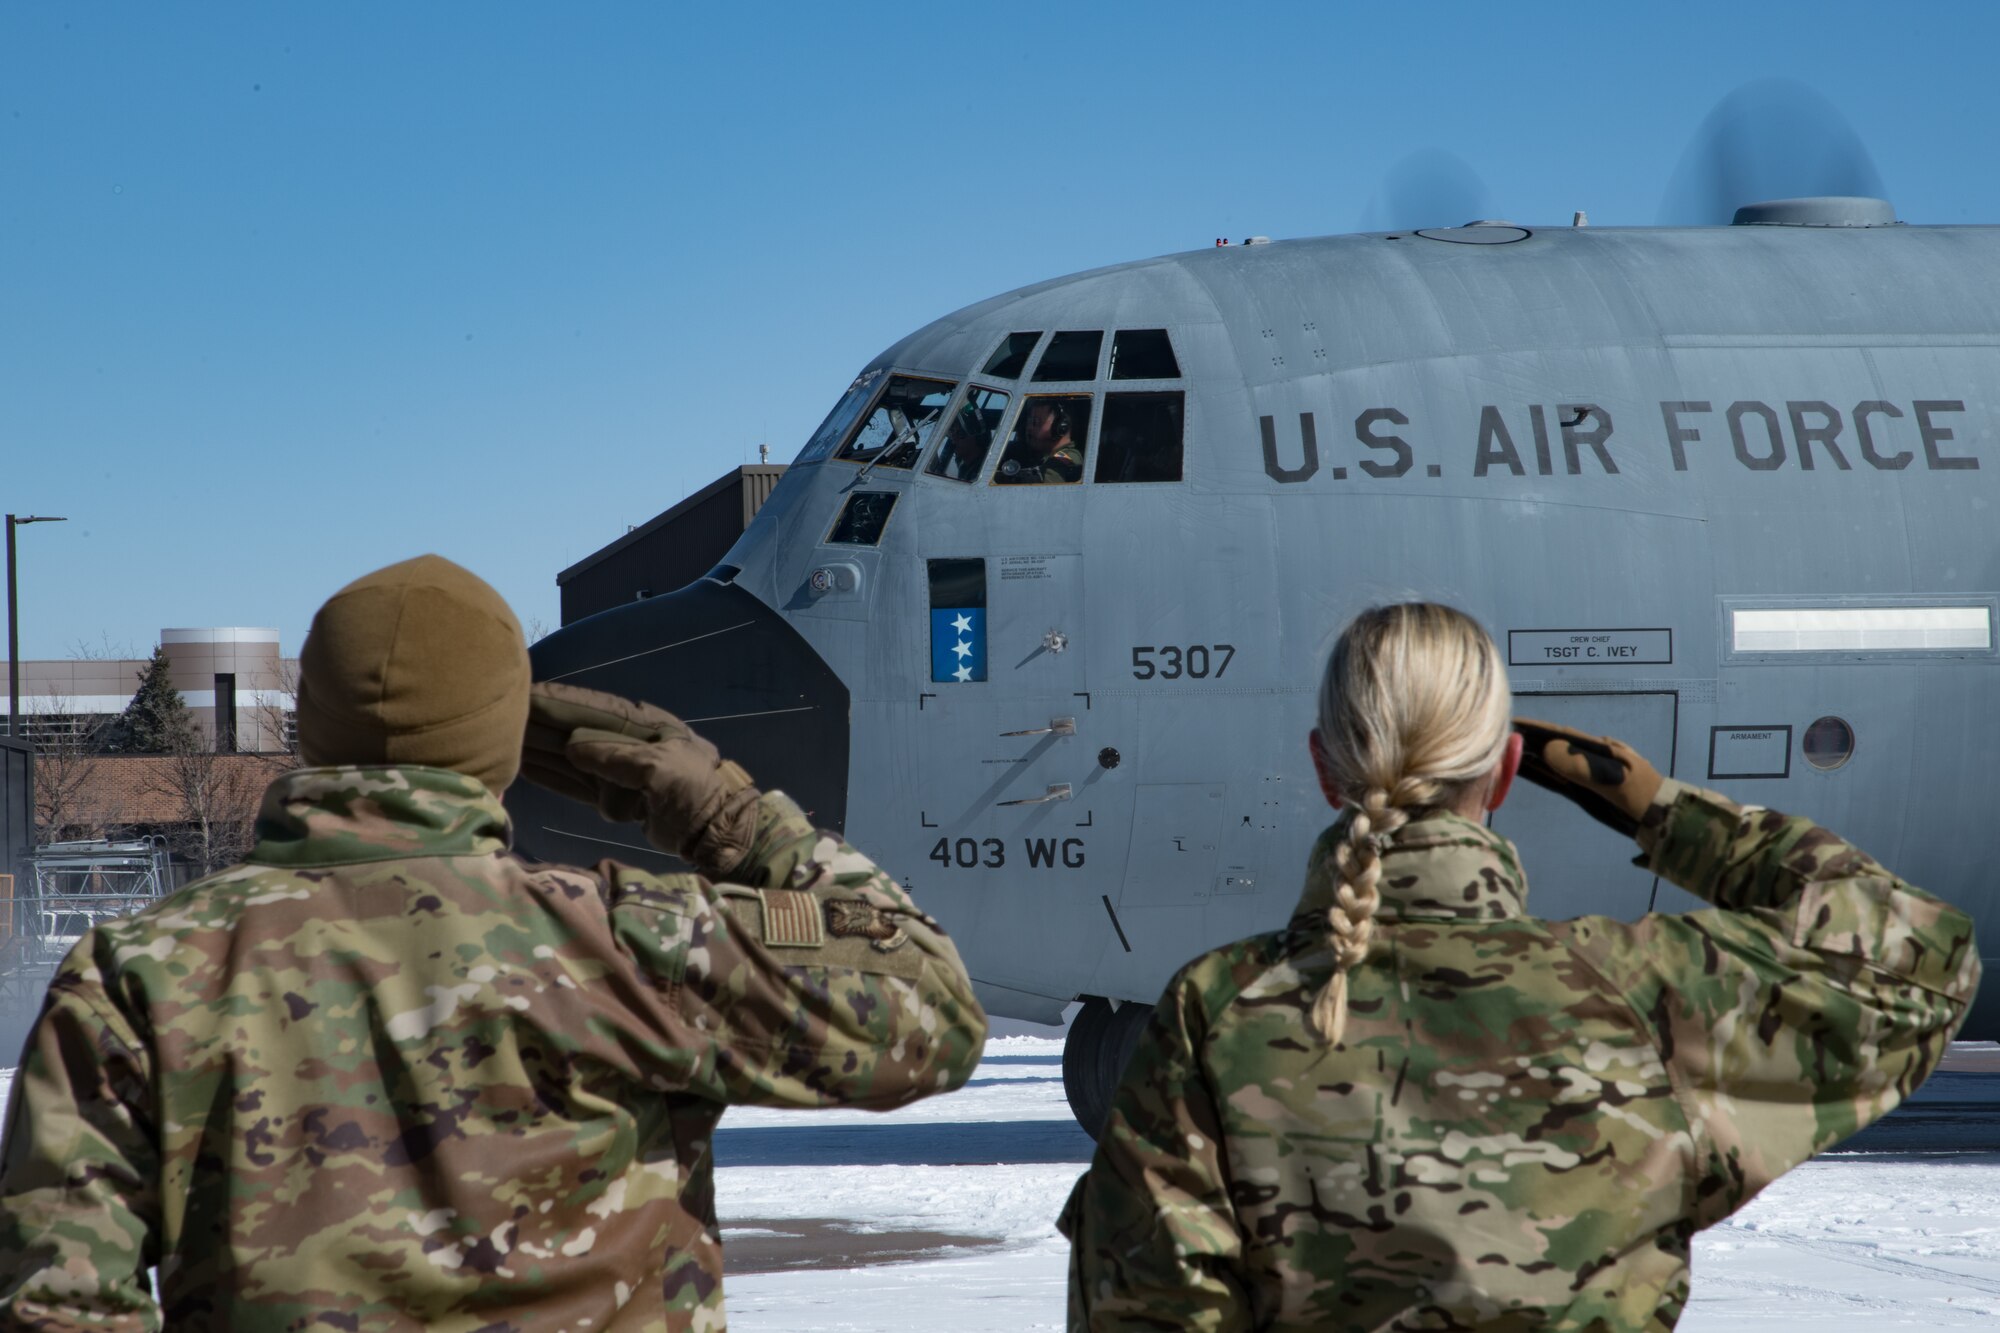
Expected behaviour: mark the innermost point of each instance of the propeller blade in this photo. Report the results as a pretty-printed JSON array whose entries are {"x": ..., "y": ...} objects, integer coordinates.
[
  {"x": 1431, "y": 188},
  {"x": 1771, "y": 139}
]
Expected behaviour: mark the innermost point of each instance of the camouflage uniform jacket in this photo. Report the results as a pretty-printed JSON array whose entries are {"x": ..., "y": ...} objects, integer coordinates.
[
  {"x": 1527, "y": 1120},
  {"x": 387, "y": 1076},
  {"x": 1065, "y": 464}
]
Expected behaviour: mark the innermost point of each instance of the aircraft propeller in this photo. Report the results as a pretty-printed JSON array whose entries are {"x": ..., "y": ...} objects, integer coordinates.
[
  {"x": 1770, "y": 139},
  {"x": 1429, "y": 188}
]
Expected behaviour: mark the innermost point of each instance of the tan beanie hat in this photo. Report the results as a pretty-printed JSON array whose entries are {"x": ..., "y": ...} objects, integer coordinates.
[{"x": 419, "y": 663}]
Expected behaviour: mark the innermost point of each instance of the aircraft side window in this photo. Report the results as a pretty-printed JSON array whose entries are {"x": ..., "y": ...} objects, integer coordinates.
[
  {"x": 1051, "y": 436},
  {"x": 862, "y": 521},
  {"x": 1071, "y": 356},
  {"x": 895, "y": 433},
  {"x": 1140, "y": 437},
  {"x": 1143, "y": 354},
  {"x": 969, "y": 435},
  {"x": 839, "y": 421},
  {"x": 1010, "y": 358}
]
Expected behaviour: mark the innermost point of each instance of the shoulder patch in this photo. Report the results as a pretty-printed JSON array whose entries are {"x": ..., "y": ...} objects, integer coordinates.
[
  {"x": 791, "y": 919},
  {"x": 856, "y": 917}
]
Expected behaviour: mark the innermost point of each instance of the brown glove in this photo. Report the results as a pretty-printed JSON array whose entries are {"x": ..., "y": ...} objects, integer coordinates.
[
  {"x": 1607, "y": 777},
  {"x": 638, "y": 763}
]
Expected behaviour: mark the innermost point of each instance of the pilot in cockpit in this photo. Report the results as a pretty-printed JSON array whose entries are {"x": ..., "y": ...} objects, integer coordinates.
[
  {"x": 966, "y": 441},
  {"x": 1042, "y": 449}
]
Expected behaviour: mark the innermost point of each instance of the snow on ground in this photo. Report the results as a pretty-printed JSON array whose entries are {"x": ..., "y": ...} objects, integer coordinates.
[
  {"x": 1847, "y": 1242},
  {"x": 1014, "y": 1288},
  {"x": 1854, "y": 1242}
]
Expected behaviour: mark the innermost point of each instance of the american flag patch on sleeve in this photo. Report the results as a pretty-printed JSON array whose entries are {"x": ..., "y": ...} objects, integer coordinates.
[{"x": 791, "y": 919}]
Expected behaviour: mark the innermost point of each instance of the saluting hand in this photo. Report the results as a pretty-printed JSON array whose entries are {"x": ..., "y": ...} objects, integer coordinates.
[
  {"x": 1610, "y": 780},
  {"x": 635, "y": 762}
]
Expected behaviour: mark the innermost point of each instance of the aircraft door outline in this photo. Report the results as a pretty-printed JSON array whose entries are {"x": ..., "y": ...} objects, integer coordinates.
[{"x": 1006, "y": 711}]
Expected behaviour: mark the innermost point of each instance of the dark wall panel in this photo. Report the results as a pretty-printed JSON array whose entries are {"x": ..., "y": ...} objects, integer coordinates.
[
  {"x": 669, "y": 552},
  {"x": 670, "y": 557},
  {"x": 17, "y": 808}
]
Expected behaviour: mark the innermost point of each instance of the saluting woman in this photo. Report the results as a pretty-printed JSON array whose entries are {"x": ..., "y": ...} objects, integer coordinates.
[{"x": 1419, "y": 1107}]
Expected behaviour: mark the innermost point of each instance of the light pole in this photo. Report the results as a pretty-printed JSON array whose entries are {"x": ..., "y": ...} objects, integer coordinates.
[{"x": 14, "y": 625}]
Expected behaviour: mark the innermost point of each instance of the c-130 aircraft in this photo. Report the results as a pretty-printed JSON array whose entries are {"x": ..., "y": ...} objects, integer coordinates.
[{"x": 1038, "y": 614}]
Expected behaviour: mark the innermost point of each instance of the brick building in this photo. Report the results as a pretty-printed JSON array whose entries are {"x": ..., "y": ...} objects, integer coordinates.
[
  {"x": 234, "y": 681},
  {"x": 240, "y": 691}
]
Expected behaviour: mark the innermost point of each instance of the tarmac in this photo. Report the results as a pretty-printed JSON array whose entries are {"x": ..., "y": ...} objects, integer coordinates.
[
  {"x": 780, "y": 1245},
  {"x": 1956, "y": 1111}
]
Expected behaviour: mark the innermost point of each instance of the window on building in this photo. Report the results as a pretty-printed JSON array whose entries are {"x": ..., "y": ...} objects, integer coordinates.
[
  {"x": 1071, "y": 356},
  {"x": 64, "y": 731},
  {"x": 1143, "y": 354},
  {"x": 225, "y": 713},
  {"x": 1049, "y": 443},
  {"x": 970, "y": 435},
  {"x": 1140, "y": 438},
  {"x": 1010, "y": 358},
  {"x": 896, "y": 431}
]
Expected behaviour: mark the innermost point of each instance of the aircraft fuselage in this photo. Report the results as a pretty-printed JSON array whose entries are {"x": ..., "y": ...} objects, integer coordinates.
[{"x": 1727, "y": 493}]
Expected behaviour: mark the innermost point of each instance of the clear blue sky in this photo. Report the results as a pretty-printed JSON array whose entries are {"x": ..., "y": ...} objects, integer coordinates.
[{"x": 291, "y": 291}]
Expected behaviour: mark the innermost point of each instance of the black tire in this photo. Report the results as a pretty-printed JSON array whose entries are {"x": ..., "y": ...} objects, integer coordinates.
[
  {"x": 1121, "y": 1038},
  {"x": 1100, "y": 1045},
  {"x": 1083, "y": 1079}
]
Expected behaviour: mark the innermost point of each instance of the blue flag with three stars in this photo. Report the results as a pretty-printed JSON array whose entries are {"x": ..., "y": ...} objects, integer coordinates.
[{"x": 958, "y": 643}]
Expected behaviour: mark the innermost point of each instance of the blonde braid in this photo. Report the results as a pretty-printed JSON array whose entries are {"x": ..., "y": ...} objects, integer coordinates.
[
  {"x": 1351, "y": 919},
  {"x": 1413, "y": 706}
]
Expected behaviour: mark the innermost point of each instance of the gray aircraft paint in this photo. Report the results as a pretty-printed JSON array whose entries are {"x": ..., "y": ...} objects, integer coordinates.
[{"x": 1389, "y": 416}]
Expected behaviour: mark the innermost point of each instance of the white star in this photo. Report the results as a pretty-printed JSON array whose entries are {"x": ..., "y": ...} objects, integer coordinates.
[
  {"x": 962, "y": 625},
  {"x": 963, "y": 673},
  {"x": 962, "y": 648}
]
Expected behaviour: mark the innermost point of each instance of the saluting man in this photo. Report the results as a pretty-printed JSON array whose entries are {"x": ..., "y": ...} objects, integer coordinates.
[{"x": 385, "y": 1075}]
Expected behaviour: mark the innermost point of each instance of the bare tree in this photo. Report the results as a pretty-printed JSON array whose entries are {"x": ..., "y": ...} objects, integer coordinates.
[
  {"x": 74, "y": 796},
  {"x": 83, "y": 650},
  {"x": 275, "y": 721},
  {"x": 217, "y": 797},
  {"x": 70, "y": 800}
]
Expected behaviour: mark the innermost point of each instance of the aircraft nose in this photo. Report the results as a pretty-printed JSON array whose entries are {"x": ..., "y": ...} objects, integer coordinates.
[{"x": 730, "y": 667}]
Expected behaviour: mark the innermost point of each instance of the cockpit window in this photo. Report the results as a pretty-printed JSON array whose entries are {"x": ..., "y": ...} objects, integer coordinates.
[
  {"x": 1071, "y": 356},
  {"x": 1049, "y": 441},
  {"x": 895, "y": 433},
  {"x": 1140, "y": 438},
  {"x": 969, "y": 435},
  {"x": 838, "y": 421},
  {"x": 1143, "y": 354},
  {"x": 1010, "y": 358}
]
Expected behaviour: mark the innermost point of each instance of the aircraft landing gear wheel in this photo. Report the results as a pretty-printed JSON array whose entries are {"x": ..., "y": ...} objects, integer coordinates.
[
  {"x": 1101, "y": 1042},
  {"x": 1087, "y": 1101}
]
